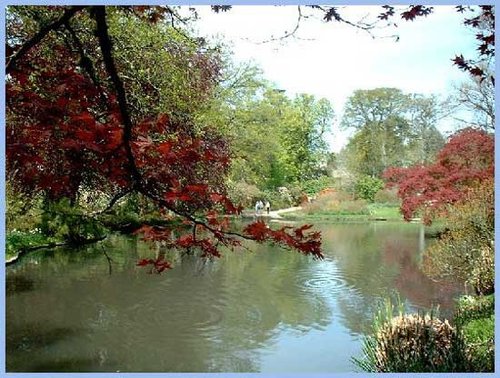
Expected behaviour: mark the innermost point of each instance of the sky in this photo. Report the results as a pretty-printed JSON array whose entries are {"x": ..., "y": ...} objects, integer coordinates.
[{"x": 333, "y": 60}]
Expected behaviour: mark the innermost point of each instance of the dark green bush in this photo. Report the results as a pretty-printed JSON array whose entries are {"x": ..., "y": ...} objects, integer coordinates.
[
  {"x": 366, "y": 187},
  {"x": 314, "y": 186}
]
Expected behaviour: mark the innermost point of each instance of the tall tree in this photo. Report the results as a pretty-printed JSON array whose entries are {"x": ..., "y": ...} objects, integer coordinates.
[
  {"x": 71, "y": 125},
  {"x": 376, "y": 116},
  {"x": 424, "y": 139},
  {"x": 477, "y": 97},
  {"x": 303, "y": 134},
  {"x": 391, "y": 129}
]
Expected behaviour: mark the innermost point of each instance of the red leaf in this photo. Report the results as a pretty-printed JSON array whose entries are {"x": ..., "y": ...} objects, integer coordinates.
[
  {"x": 199, "y": 188},
  {"x": 185, "y": 241},
  {"x": 215, "y": 197},
  {"x": 145, "y": 262},
  {"x": 257, "y": 230},
  {"x": 164, "y": 147}
]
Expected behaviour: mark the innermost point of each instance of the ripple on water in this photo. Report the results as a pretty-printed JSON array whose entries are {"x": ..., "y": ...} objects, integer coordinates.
[{"x": 324, "y": 278}]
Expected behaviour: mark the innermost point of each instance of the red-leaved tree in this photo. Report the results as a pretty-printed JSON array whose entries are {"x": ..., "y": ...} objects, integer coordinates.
[
  {"x": 466, "y": 160},
  {"x": 70, "y": 127}
]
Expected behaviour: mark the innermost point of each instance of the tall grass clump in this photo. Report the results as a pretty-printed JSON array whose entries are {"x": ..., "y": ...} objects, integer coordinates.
[{"x": 412, "y": 343}]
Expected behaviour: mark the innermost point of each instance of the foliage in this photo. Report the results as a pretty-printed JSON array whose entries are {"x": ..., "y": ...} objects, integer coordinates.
[
  {"x": 424, "y": 139},
  {"x": 313, "y": 186},
  {"x": 22, "y": 212},
  {"x": 484, "y": 22},
  {"x": 73, "y": 125},
  {"x": 337, "y": 203},
  {"x": 16, "y": 241},
  {"x": 466, "y": 160},
  {"x": 62, "y": 221},
  {"x": 277, "y": 141},
  {"x": 366, "y": 187},
  {"x": 387, "y": 197},
  {"x": 278, "y": 199},
  {"x": 466, "y": 249},
  {"x": 391, "y": 129},
  {"x": 244, "y": 193},
  {"x": 475, "y": 316}
]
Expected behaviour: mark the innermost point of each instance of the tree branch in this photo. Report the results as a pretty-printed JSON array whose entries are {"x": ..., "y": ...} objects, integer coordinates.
[
  {"x": 37, "y": 38},
  {"x": 99, "y": 13},
  {"x": 105, "y": 43},
  {"x": 114, "y": 200}
]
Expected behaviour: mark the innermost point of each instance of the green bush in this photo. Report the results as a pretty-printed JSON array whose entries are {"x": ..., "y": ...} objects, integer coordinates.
[
  {"x": 244, "y": 194},
  {"x": 278, "y": 199},
  {"x": 366, "y": 187},
  {"x": 16, "y": 241},
  {"x": 62, "y": 221},
  {"x": 314, "y": 186},
  {"x": 475, "y": 317},
  {"x": 474, "y": 307},
  {"x": 23, "y": 213}
]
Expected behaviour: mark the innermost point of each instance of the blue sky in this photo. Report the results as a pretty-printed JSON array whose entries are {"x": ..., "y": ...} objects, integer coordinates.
[{"x": 332, "y": 60}]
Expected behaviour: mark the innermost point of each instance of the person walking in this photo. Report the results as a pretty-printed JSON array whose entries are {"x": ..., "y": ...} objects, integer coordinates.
[
  {"x": 258, "y": 207},
  {"x": 268, "y": 207}
]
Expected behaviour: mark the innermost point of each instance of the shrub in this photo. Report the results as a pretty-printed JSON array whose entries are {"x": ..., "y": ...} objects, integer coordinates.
[
  {"x": 314, "y": 186},
  {"x": 412, "y": 343},
  {"x": 474, "y": 307},
  {"x": 337, "y": 203},
  {"x": 366, "y": 187},
  {"x": 278, "y": 199},
  {"x": 475, "y": 316},
  {"x": 62, "y": 221},
  {"x": 23, "y": 213},
  {"x": 466, "y": 249},
  {"x": 15, "y": 241},
  {"x": 387, "y": 197},
  {"x": 244, "y": 194}
]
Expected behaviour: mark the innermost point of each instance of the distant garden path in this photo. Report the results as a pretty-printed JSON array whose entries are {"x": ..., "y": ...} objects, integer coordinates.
[{"x": 273, "y": 213}]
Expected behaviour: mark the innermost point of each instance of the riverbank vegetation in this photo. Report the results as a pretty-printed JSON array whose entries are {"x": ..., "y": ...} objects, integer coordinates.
[{"x": 423, "y": 342}]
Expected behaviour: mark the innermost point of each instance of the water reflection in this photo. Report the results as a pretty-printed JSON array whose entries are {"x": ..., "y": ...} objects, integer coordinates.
[{"x": 266, "y": 310}]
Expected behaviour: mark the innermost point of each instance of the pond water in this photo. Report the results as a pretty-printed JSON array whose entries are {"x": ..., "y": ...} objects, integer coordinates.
[{"x": 268, "y": 310}]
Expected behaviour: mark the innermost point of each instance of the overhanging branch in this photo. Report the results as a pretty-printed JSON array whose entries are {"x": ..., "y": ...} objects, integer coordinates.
[{"x": 37, "y": 38}]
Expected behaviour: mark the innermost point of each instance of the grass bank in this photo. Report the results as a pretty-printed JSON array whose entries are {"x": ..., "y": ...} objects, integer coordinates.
[{"x": 367, "y": 212}]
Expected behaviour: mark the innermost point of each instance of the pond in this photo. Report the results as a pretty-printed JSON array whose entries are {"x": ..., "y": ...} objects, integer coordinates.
[{"x": 264, "y": 310}]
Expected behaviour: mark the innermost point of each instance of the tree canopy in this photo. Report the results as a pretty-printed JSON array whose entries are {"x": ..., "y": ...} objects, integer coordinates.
[
  {"x": 392, "y": 129},
  {"x": 464, "y": 162},
  {"x": 83, "y": 113}
]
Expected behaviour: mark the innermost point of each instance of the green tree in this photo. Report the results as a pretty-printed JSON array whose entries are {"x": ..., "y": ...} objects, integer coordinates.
[
  {"x": 424, "y": 140},
  {"x": 303, "y": 130},
  {"x": 376, "y": 116},
  {"x": 392, "y": 129}
]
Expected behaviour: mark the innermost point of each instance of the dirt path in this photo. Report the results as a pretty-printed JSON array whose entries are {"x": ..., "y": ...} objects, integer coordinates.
[{"x": 276, "y": 214}]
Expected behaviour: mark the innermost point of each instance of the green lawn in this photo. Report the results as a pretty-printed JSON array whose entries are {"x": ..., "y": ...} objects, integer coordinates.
[{"x": 370, "y": 212}]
